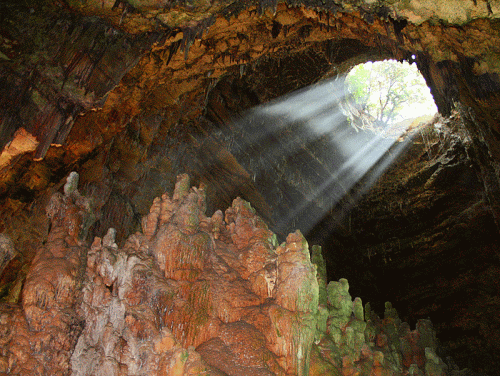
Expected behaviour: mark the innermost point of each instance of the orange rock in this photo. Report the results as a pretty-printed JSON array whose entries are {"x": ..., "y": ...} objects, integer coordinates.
[
  {"x": 165, "y": 341},
  {"x": 195, "y": 295}
]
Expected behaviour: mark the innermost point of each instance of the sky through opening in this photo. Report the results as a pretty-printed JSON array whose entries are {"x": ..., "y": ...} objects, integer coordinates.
[{"x": 383, "y": 93}]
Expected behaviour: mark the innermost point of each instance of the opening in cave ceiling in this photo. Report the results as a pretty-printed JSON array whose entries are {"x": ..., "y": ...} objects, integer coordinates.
[
  {"x": 305, "y": 148},
  {"x": 294, "y": 130},
  {"x": 387, "y": 93}
]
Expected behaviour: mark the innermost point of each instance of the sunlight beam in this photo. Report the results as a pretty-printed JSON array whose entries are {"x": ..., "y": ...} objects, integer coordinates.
[{"x": 282, "y": 131}]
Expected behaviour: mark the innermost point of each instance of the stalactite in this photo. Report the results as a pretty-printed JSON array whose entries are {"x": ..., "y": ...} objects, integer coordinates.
[
  {"x": 330, "y": 51},
  {"x": 190, "y": 34},
  {"x": 64, "y": 130},
  {"x": 174, "y": 47},
  {"x": 399, "y": 25},
  {"x": 188, "y": 37},
  {"x": 15, "y": 93},
  {"x": 48, "y": 124},
  {"x": 77, "y": 57}
]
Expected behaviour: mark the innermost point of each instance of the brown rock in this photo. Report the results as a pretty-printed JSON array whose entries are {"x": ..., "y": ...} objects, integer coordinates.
[{"x": 195, "y": 295}]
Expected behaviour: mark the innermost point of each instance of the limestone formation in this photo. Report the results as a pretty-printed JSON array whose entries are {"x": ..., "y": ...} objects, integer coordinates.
[
  {"x": 39, "y": 333},
  {"x": 176, "y": 300}
]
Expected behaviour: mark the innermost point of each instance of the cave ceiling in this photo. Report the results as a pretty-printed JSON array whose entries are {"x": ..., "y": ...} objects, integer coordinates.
[
  {"x": 116, "y": 81},
  {"x": 132, "y": 93}
]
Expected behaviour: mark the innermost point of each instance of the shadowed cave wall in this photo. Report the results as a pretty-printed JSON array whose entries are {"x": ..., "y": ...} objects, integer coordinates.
[{"x": 131, "y": 94}]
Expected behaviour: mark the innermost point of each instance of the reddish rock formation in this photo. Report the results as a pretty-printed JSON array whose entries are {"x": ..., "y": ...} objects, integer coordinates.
[
  {"x": 188, "y": 280},
  {"x": 192, "y": 295},
  {"x": 40, "y": 332}
]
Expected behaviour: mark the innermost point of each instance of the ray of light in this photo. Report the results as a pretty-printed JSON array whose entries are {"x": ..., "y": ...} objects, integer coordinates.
[{"x": 289, "y": 128}]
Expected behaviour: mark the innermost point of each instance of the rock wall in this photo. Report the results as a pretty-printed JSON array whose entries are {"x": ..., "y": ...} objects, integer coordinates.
[
  {"x": 192, "y": 295},
  {"x": 126, "y": 84}
]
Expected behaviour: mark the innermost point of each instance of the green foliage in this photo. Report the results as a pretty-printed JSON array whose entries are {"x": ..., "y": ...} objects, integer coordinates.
[{"x": 382, "y": 93}]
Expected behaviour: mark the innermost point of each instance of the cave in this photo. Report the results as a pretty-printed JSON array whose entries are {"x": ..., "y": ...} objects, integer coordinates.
[{"x": 157, "y": 220}]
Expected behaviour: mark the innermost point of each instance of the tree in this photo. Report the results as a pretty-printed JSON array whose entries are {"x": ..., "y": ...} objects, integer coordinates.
[{"x": 382, "y": 93}]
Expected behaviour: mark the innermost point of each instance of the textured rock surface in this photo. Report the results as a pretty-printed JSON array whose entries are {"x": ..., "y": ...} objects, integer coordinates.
[
  {"x": 149, "y": 75},
  {"x": 40, "y": 331},
  {"x": 192, "y": 295}
]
